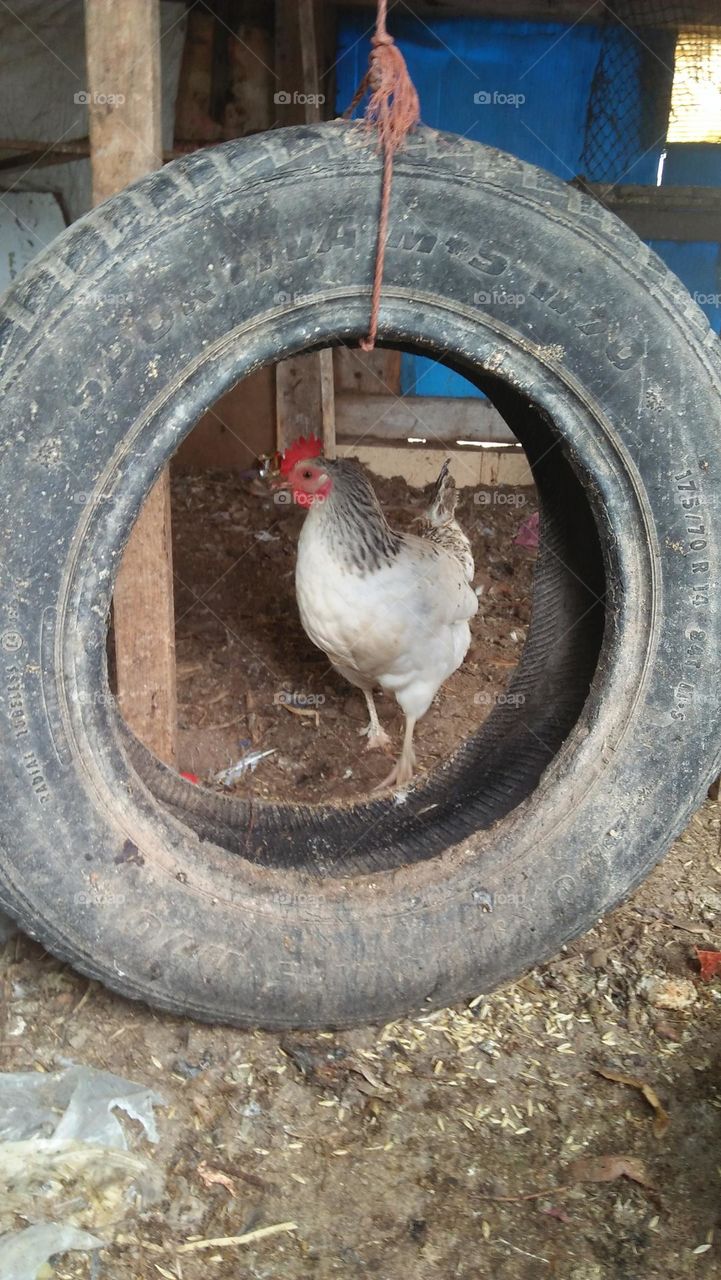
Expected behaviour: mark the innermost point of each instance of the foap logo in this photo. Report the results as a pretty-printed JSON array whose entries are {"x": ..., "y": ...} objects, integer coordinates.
[
  {"x": 284, "y": 299},
  {"x": 85, "y": 99},
  {"x": 707, "y": 299},
  {"x": 100, "y": 297},
  {"x": 298, "y": 699},
  {"x": 96, "y": 698},
  {"x": 498, "y": 298},
  {"x": 82, "y": 499},
  {"x": 499, "y": 498},
  {"x": 487, "y": 699},
  {"x": 286, "y": 498},
  {"x": 497, "y": 98},
  {"x": 284, "y": 98}
]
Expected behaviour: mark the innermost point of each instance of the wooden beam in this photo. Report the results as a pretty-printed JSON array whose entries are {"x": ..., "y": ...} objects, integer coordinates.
[
  {"x": 696, "y": 12},
  {"x": 376, "y": 372},
  {"x": 439, "y": 422},
  {"x": 305, "y": 394},
  {"x": 123, "y": 59},
  {"x": 663, "y": 213},
  {"x": 526, "y": 10}
]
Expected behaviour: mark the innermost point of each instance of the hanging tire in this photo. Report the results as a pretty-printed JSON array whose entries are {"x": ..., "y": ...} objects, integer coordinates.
[{"x": 115, "y": 342}]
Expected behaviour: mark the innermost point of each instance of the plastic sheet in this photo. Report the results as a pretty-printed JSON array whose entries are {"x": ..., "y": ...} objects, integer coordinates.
[
  {"x": 76, "y": 1103},
  {"x": 64, "y": 1156},
  {"x": 23, "y": 1253}
]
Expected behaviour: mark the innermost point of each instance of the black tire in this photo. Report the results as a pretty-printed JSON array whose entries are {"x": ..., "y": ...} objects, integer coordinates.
[{"x": 113, "y": 344}]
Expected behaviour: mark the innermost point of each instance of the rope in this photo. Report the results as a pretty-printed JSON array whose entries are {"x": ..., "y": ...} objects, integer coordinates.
[{"x": 393, "y": 109}]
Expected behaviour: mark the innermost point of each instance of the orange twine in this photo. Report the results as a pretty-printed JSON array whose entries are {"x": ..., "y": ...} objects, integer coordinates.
[{"x": 393, "y": 109}]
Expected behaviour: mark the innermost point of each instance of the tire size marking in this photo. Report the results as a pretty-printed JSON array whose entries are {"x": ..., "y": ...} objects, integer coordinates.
[
  {"x": 34, "y": 769},
  {"x": 690, "y": 499},
  {"x": 621, "y": 351},
  {"x": 15, "y": 701}
]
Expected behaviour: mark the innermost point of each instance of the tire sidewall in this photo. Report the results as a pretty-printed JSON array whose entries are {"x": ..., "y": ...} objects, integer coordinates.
[{"x": 133, "y": 898}]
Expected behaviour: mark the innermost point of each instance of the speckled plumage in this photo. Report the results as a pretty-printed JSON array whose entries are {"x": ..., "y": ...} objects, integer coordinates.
[{"x": 388, "y": 608}]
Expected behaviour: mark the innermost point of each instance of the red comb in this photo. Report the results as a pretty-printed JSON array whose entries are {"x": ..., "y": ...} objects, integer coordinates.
[{"x": 298, "y": 451}]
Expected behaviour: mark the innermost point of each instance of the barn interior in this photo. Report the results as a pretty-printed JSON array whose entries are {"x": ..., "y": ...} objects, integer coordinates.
[{"x": 451, "y": 1144}]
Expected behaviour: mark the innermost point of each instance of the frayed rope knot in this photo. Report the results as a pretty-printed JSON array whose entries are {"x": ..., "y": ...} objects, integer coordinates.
[{"x": 393, "y": 110}]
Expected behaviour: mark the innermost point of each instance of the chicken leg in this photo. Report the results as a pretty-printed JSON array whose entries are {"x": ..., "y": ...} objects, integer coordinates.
[
  {"x": 402, "y": 771},
  {"x": 377, "y": 736}
]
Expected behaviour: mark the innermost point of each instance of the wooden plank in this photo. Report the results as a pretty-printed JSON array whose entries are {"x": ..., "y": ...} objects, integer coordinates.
[
  {"x": 526, "y": 10},
  {"x": 471, "y": 468},
  {"x": 663, "y": 213},
  {"x": 327, "y": 402},
  {"x": 299, "y": 408},
  {"x": 193, "y": 120},
  {"x": 305, "y": 396},
  {"x": 241, "y": 425},
  {"x": 437, "y": 421},
  {"x": 695, "y": 12},
  {"x": 123, "y": 59},
  {"x": 144, "y": 624},
  {"x": 375, "y": 372}
]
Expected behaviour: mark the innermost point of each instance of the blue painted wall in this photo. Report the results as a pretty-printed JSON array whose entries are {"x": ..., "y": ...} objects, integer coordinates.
[{"x": 524, "y": 87}]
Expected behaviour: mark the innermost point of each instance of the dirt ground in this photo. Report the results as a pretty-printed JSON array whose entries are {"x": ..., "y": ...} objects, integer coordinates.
[
  {"x": 482, "y": 1142},
  {"x": 439, "y": 1146},
  {"x": 243, "y": 658}
]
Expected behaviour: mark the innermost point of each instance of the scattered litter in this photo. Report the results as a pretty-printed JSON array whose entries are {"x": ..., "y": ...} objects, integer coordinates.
[
  {"x": 89, "y": 1185},
  {"x": 83, "y": 1098},
  {"x": 527, "y": 535},
  {"x": 709, "y": 963},
  {"x": 189, "y": 777},
  {"x": 215, "y": 1177},
  {"x": 668, "y": 993},
  {"x": 377, "y": 1087},
  {"x": 246, "y": 764},
  {"x": 524, "y": 1252},
  {"x": 264, "y": 535},
  {"x": 220, "y": 1242},
  {"x": 63, "y": 1151},
  {"x": 661, "y": 1119},
  {"x": 312, "y": 712},
  {"x": 23, "y": 1253},
  {"x": 608, "y": 1169}
]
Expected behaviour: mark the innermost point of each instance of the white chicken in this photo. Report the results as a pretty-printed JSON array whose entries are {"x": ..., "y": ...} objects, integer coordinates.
[{"x": 388, "y": 609}]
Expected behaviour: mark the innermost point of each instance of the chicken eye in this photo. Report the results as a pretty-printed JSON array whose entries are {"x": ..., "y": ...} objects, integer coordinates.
[{"x": 307, "y": 475}]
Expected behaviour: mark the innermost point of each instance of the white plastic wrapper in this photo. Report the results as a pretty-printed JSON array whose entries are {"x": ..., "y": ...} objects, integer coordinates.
[
  {"x": 76, "y": 1103},
  {"x": 23, "y": 1253},
  {"x": 64, "y": 1157}
]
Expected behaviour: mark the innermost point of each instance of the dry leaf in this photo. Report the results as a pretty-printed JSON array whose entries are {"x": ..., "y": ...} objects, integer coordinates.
[
  {"x": 211, "y": 1177},
  {"x": 709, "y": 963},
  {"x": 608, "y": 1169},
  {"x": 661, "y": 1119},
  {"x": 360, "y": 1069},
  {"x": 302, "y": 711}
]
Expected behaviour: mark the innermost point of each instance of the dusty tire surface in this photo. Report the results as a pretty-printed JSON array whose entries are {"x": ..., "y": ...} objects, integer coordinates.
[{"x": 115, "y": 341}]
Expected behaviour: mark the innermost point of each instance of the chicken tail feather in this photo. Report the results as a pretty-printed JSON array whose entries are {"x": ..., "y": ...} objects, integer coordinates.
[
  {"x": 440, "y": 525},
  {"x": 444, "y": 498}
]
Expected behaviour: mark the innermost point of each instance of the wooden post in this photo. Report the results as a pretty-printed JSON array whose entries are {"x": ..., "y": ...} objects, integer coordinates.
[
  {"x": 305, "y": 393},
  {"x": 123, "y": 63}
]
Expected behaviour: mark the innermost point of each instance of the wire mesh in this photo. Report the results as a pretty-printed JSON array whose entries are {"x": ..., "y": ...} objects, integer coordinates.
[{"x": 658, "y": 78}]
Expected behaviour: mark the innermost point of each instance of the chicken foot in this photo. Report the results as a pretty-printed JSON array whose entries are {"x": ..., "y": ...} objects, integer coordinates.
[
  {"x": 402, "y": 771},
  {"x": 376, "y": 734}
]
